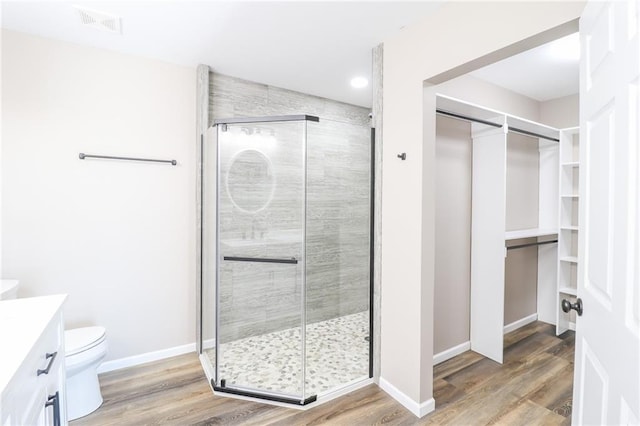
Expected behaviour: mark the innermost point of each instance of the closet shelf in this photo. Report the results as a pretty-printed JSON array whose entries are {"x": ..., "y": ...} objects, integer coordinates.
[
  {"x": 568, "y": 290},
  {"x": 472, "y": 112},
  {"x": 529, "y": 233},
  {"x": 569, "y": 224}
]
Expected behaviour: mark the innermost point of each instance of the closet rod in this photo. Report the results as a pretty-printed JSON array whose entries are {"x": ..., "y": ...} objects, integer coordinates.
[
  {"x": 489, "y": 123},
  {"x": 528, "y": 133},
  {"x": 539, "y": 243},
  {"x": 466, "y": 118}
]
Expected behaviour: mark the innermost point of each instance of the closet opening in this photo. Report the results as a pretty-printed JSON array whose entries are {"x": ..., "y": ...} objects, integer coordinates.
[{"x": 506, "y": 229}]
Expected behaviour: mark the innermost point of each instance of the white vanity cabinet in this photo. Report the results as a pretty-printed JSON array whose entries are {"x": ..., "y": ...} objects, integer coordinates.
[{"x": 32, "y": 370}]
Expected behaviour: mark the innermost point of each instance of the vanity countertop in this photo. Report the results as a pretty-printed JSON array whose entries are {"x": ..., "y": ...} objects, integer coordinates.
[{"x": 22, "y": 322}]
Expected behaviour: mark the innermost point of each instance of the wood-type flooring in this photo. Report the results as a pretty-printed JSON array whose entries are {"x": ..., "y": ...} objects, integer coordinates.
[{"x": 532, "y": 387}]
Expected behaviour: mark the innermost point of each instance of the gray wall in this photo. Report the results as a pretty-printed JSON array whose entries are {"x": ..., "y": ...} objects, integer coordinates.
[
  {"x": 262, "y": 298},
  {"x": 453, "y": 233},
  {"x": 521, "y": 265}
]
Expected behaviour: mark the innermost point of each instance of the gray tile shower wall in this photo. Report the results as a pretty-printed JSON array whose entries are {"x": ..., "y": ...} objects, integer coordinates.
[
  {"x": 338, "y": 211},
  {"x": 234, "y": 97},
  {"x": 263, "y": 298}
]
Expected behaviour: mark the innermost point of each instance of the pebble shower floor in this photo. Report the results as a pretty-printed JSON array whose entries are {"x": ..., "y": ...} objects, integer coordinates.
[{"x": 337, "y": 353}]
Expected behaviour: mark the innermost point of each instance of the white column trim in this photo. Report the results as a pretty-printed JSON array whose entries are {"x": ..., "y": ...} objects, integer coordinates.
[{"x": 418, "y": 409}]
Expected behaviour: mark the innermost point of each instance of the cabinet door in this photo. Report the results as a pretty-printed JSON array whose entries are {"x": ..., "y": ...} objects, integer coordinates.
[{"x": 36, "y": 394}]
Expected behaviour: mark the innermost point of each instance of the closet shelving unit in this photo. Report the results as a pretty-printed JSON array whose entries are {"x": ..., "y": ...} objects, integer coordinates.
[
  {"x": 489, "y": 237},
  {"x": 569, "y": 170}
]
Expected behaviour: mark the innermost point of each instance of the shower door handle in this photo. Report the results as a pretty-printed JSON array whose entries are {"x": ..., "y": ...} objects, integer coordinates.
[{"x": 291, "y": 260}]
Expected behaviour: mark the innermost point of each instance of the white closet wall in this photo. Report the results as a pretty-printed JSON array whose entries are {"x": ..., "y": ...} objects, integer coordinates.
[{"x": 488, "y": 209}]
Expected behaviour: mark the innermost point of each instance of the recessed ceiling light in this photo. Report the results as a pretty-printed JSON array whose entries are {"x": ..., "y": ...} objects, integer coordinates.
[{"x": 359, "y": 82}]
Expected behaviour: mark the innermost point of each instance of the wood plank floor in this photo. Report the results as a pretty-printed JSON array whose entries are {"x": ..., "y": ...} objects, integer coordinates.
[{"x": 533, "y": 386}]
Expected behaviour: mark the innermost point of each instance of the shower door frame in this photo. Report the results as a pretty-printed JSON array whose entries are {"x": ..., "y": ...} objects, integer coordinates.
[
  {"x": 219, "y": 385},
  {"x": 267, "y": 396}
]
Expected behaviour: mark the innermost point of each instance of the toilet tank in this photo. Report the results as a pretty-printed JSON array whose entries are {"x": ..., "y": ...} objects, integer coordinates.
[{"x": 8, "y": 289}]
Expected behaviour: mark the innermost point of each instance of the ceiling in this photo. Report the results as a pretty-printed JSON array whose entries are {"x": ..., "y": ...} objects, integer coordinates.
[
  {"x": 546, "y": 72},
  {"x": 307, "y": 46}
]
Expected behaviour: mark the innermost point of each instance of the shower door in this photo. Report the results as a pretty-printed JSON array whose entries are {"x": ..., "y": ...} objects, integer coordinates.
[{"x": 261, "y": 254}]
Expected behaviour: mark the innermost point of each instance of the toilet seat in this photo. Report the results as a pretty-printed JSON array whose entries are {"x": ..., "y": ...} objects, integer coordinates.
[{"x": 82, "y": 339}]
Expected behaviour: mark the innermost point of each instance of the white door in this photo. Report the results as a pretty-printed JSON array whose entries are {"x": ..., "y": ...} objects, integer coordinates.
[{"x": 607, "y": 363}]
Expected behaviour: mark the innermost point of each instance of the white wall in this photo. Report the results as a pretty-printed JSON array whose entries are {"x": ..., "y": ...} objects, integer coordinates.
[
  {"x": 562, "y": 112},
  {"x": 488, "y": 95},
  {"x": 460, "y": 36},
  {"x": 118, "y": 237}
]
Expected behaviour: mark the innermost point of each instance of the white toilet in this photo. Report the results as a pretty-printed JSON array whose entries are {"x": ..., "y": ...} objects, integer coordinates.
[{"x": 85, "y": 348}]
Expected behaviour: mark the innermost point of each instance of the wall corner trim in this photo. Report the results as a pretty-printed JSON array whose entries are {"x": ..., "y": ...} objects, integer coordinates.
[{"x": 418, "y": 409}]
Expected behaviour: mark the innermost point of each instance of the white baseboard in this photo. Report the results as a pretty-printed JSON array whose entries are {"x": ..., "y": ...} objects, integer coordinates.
[
  {"x": 419, "y": 410},
  {"x": 520, "y": 323},
  {"x": 450, "y": 353},
  {"x": 572, "y": 326},
  {"x": 131, "y": 361}
]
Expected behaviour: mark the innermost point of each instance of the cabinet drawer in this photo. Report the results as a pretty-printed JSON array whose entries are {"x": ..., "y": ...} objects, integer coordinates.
[{"x": 38, "y": 377}]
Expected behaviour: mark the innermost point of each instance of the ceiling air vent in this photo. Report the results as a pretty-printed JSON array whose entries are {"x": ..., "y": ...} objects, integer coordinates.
[{"x": 99, "y": 20}]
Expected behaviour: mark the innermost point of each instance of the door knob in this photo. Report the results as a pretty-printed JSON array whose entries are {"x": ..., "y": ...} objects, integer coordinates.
[{"x": 567, "y": 306}]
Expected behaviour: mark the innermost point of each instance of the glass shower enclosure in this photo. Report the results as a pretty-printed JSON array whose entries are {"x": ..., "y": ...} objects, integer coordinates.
[{"x": 286, "y": 274}]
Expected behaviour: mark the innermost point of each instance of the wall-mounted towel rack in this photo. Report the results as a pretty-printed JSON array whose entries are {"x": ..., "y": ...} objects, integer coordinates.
[{"x": 82, "y": 156}]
